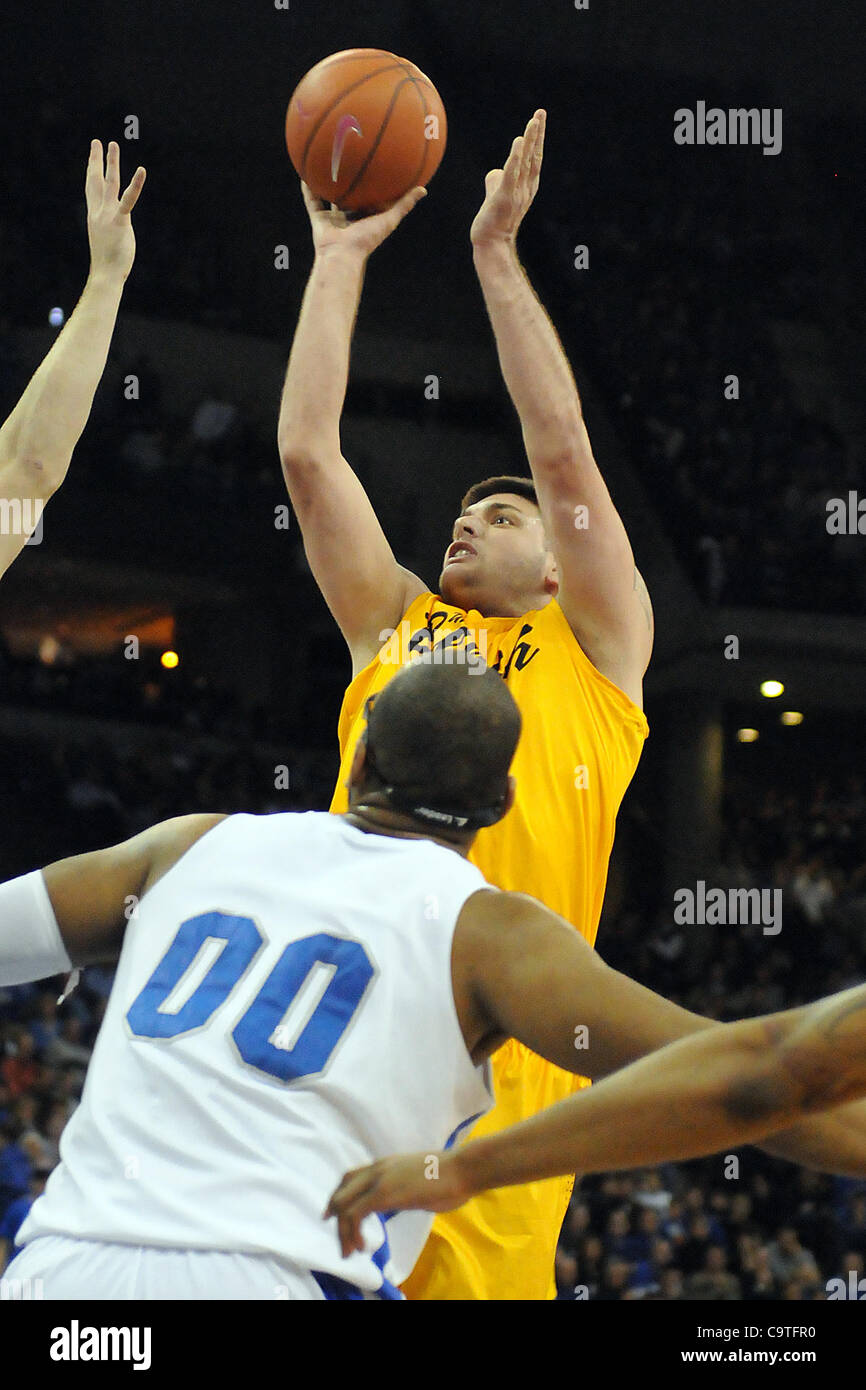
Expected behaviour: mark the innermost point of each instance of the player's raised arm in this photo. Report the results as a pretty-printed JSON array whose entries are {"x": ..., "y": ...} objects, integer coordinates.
[
  {"x": 365, "y": 588},
  {"x": 600, "y": 591},
  {"x": 75, "y": 911},
  {"x": 37, "y": 440}
]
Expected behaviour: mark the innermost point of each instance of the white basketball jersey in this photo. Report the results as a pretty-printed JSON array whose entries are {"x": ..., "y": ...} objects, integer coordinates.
[{"x": 282, "y": 1012}]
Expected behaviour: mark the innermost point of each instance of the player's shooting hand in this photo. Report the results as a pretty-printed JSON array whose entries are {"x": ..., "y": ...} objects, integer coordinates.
[
  {"x": 408, "y": 1182},
  {"x": 109, "y": 225},
  {"x": 362, "y": 234},
  {"x": 510, "y": 191}
]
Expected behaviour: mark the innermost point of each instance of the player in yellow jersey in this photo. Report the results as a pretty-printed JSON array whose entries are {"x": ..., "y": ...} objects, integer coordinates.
[{"x": 539, "y": 581}]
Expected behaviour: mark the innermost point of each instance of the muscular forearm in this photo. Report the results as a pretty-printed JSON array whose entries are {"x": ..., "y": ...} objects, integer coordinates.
[
  {"x": 709, "y": 1091},
  {"x": 37, "y": 440},
  {"x": 731, "y": 1085},
  {"x": 716, "y": 1089},
  {"x": 834, "y": 1142},
  {"x": 534, "y": 365},
  {"x": 318, "y": 371}
]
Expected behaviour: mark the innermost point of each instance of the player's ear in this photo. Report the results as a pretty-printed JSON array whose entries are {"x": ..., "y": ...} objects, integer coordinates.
[
  {"x": 356, "y": 772},
  {"x": 551, "y": 573},
  {"x": 512, "y": 793}
]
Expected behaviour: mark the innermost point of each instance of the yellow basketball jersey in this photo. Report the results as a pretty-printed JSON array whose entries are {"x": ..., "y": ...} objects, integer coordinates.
[{"x": 580, "y": 744}]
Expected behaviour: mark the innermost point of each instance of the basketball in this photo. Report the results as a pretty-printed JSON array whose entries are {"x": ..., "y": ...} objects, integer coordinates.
[{"x": 363, "y": 127}]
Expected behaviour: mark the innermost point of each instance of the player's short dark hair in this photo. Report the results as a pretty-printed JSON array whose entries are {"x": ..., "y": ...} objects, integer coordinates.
[
  {"x": 523, "y": 487},
  {"x": 443, "y": 737}
]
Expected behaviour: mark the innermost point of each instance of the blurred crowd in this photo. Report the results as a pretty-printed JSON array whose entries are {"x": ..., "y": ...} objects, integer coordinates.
[
  {"x": 694, "y": 1232},
  {"x": 67, "y": 795},
  {"x": 696, "y": 267},
  {"x": 142, "y": 691}
]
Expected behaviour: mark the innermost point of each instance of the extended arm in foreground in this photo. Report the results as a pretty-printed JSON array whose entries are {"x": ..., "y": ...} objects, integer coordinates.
[{"x": 725, "y": 1086}]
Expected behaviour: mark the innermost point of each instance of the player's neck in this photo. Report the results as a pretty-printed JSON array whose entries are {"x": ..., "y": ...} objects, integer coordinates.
[
  {"x": 496, "y": 608},
  {"x": 376, "y": 820}
]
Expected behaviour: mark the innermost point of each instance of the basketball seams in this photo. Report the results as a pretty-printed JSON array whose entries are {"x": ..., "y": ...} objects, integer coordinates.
[
  {"x": 359, "y": 57},
  {"x": 368, "y": 77},
  {"x": 377, "y": 140},
  {"x": 390, "y": 63},
  {"x": 425, "y": 112}
]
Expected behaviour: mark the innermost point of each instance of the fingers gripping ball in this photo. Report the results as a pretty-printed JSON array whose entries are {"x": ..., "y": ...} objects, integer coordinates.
[{"x": 363, "y": 127}]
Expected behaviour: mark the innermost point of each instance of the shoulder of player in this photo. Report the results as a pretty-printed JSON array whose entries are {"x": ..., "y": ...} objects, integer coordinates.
[
  {"x": 612, "y": 669},
  {"x": 413, "y": 589},
  {"x": 166, "y": 843},
  {"x": 489, "y": 914},
  {"x": 503, "y": 943}
]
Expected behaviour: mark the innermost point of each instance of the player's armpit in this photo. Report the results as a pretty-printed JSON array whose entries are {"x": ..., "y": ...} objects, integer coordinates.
[
  {"x": 601, "y": 593},
  {"x": 349, "y": 555},
  {"x": 93, "y": 895},
  {"x": 533, "y": 977}
]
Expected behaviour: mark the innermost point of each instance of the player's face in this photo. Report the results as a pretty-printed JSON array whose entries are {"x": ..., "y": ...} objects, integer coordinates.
[{"x": 498, "y": 561}]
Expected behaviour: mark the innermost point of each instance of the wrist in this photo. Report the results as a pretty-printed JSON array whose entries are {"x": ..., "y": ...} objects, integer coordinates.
[
  {"x": 495, "y": 253},
  {"x": 106, "y": 279},
  {"x": 472, "y": 1167},
  {"x": 336, "y": 254}
]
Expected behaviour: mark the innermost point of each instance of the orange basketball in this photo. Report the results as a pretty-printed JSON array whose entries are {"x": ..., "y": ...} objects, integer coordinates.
[{"x": 363, "y": 127}]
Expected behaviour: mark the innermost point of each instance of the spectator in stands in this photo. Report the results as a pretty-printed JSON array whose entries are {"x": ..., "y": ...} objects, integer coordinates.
[
  {"x": 714, "y": 1281},
  {"x": 788, "y": 1259},
  {"x": 44, "y": 1025},
  {"x": 651, "y": 1190},
  {"x": 13, "y": 1216},
  {"x": 19, "y": 1067},
  {"x": 15, "y": 1165},
  {"x": 617, "y": 1239},
  {"x": 614, "y": 1281},
  {"x": 69, "y": 1050}
]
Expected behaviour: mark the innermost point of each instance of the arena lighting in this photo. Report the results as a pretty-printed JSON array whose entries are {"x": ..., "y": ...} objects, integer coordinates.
[
  {"x": 56, "y": 317},
  {"x": 771, "y": 689},
  {"x": 169, "y": 660},
  {"x": 49, "y": 649},
  {"x": 791, "y": 717},
  {"x": 747, "y": 735}
]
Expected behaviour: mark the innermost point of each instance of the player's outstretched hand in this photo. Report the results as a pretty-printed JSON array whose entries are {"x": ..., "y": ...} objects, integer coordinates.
[
  {"x": 510, "y": 191},
  {"x": 109, "y": 224},
  {"x": 363, "y": 234},
  {"x": 405, "y": 1183}
]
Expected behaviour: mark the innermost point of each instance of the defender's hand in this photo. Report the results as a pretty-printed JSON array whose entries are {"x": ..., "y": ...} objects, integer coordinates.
[
  {"x": 109, "y": 225},
  {"x": 429, "y": 1182},
  {"x": 510, "y": 191},
  {"x": 362, "y": 234}
]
